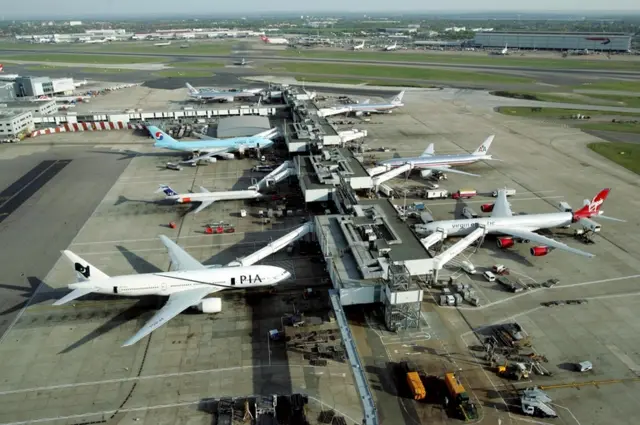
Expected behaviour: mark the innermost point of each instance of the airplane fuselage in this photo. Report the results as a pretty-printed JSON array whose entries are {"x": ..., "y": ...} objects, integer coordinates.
[
  {"x": 373, "y": 108},
  {"x": 216, "y": 196},
  {"x": 177, "y": 281},
  {"x": 530, "y": 222},
  {"x": 435, "y": 160},
  {"x": 203, "y": 145}
]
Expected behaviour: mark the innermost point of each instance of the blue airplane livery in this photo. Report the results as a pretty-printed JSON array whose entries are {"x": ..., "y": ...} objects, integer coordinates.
[{"x": 203, "y": 149}]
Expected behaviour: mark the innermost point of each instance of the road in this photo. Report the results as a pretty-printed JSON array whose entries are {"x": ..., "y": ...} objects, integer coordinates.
[{"x": 250, "y": 56}]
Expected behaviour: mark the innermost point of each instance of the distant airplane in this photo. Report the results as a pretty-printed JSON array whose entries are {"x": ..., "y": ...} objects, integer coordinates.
[
  {"x": 167, "y": 43},
  {"x": 206, "y": 197},
  {"x": 268, "y": 40},
  {"x": 221, "y": 95},
  {"x": 187, "y": 285},
  {"x": 503, "y": 52},
  {"x": 390, "y": 47},
  {"x": 242, "y": 62},
  {"x": 203, "y": 149},
  {"x": 358, "y": 46},
  {"x": 103, "y": 40},
  {"x": 442, "y": 163},
  {"x": 365, "y": 107}
]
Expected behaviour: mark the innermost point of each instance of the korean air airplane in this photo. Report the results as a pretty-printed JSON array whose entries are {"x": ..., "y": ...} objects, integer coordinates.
[{"x": 202, "y": 149}]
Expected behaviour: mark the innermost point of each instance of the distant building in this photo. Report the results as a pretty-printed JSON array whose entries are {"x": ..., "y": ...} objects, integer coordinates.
[
  {"x": 7, "y": 91},
  {"x": 609, "y": 42},
  {"x": 242, "y": 126},
  {"x": 44, "y": 107},
  {"x": 43, "y": 86},
  {"x": 15, "y": 122},
  {"x": 75, "y": 23}
]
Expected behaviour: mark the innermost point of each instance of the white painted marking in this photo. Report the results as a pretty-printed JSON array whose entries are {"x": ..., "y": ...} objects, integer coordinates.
[{"x": 624, "y": 358}]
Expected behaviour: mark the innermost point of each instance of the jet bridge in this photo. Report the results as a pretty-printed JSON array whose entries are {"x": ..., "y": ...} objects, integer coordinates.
[
  {"x": 350, "y": 135},
  {"x": 327, "y": 112},
  {"x": 379, "y": 179},
  {"x": 448, "y": 255},
  {"x": 283, "y": 171},
  {"x": 438, "y": 236},
  {"x": 274, "y": 246}
]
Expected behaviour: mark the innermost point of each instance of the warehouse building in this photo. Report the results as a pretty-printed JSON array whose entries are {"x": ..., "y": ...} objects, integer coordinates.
[
  {"x": 43, "y": 86},
  {"x": 46, "y": 107},
  {"x": 15, "y": 122},
  {"x": 242, "y": 126},
  {"x": 607, "y": 42}
]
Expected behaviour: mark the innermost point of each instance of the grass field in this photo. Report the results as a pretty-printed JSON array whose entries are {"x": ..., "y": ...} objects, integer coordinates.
[
  {"x": 200, "y": 64},
  {"x": 316, "y": 79},
  {"x": 612, "y": 126},
  {"x": 576, "y": 98},
  {"x": 470, "y": 59},
  {"x": 197, "y": 48},
  {"x": 82, "y": 58},
  {"x": 628, "y": 86},
  {"x": 399, "y": 72},
  {"x": 194, "y": 73},
  {"x": 625, "y": 154},
  {"x": 559, "y": 113}
]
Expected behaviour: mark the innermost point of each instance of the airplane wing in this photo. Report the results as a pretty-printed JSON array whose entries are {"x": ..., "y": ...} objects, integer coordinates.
[
  {"x": 180, "y": 260},
  {"x": 365, "y": 102},
  {"x": 430, "y": 150},
  {"x": 209, "y": 154},
  {"x": 542, "y": 240},
  {"x": 203, "y": 205},
  {"x": 502, "y": 207},
  {"x": 176, "y": 304},
  {"x": 451, "y": 170}
]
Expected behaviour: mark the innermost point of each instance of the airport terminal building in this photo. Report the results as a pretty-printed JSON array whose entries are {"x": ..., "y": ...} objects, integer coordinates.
[{"x": 606, "y": 42}]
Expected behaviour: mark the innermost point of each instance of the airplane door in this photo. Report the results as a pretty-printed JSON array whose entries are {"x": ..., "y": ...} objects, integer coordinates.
[
  {"x": 233, "y": 281},
  {"x": 115, "y": 289},
  {"x": 163, "y": 286}
]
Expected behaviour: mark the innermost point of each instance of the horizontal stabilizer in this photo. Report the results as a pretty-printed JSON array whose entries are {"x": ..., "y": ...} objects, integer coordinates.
[{"x": 76, "y": 293}]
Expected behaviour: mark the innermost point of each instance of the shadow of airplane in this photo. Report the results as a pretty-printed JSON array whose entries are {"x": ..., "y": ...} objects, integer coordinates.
[{"x": 45, "y": 293}]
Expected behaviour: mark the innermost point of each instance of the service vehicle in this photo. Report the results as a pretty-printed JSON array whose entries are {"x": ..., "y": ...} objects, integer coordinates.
[{"x": 464, "y": 194}]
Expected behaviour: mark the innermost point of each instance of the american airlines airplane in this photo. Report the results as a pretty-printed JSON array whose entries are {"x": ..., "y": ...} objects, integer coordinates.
[
  {"x": 522, "y": 227},
  {"x": 366, "y": 107},
  {"x": 268, "y": 40},
  {"x": 221, "y": 95},
  {"x": 205, "y": 197},
  {"x": 223, "y": 148},
  {"x": 443, "y": 163},
  {"x": 186, "y": 286}
]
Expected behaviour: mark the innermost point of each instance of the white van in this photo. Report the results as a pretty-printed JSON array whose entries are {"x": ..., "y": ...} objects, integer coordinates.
[
  {"x": 468, "y": 267},
  {"x": 509, "y": 192},
  {"x": 489, "y": 276},
  {"x": 584, "y": 366}
]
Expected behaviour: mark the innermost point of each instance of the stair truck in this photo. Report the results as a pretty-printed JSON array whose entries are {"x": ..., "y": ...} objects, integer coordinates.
[
  {"x": 414, "y": 381},
  {"x": 462, "y": 403}
]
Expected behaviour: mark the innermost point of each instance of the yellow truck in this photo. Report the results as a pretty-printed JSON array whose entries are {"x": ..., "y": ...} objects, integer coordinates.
[
  {"x": 412, "y": 375},
  {"x": 465, "y": 407}
]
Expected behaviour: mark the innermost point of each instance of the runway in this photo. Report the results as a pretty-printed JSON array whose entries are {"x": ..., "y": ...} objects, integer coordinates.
[{"x": 250, "y": 56}]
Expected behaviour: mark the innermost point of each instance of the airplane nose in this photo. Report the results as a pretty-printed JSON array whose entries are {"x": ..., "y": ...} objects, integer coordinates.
[{"x": 287, "y": 276}]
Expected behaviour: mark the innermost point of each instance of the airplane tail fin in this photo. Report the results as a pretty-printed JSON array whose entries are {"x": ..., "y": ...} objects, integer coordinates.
[
  {"x": 592, "y": 207},
  {"x": 164, "y": 188},
  {"x": 484, "y": 147},
  {"x": 162, "y": 139},
  {"x": 430, "y": 150},
  {"x": 85, "y": 272},
  {"x": 398, "y": 98},
  {"x": 192, "y": 90}
]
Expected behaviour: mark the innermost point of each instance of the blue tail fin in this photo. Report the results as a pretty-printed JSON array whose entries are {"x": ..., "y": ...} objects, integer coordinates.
[
  {"x": 162, "y": 139},
  {"x": 164, "y": 188}
]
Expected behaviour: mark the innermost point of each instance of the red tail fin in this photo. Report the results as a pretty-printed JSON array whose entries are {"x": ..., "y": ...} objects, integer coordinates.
[
  {"x": 264, "y": 38},
  {"x": 593, "y": 207}
]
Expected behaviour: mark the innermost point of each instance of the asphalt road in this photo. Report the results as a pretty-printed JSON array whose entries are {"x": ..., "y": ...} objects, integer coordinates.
[
  {"x": 49, "y": 195},
  {"x": 250, "y": 56}
]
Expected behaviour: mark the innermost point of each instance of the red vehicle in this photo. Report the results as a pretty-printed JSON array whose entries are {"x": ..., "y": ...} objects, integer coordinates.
[{"x": 464, "y": 193}]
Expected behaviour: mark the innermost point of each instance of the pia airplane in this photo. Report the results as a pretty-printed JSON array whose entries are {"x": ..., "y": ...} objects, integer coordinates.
[
  {"x": 268, "y": 40},
  {"x": 206, "y": 197},
  {"x": 522, "y": 227},
  {"x": 429, "y": 161},
  {"x": 358, "y": 46},
  {"x": 203, "y": 149},
  {"x": 221, "y": 95},
  {"x": 186, "y": 286}
]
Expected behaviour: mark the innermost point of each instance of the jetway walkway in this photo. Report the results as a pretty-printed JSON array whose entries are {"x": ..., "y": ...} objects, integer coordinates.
[
  {"x": 442, "y": 259},
  {"x": 274, "y": 246},
  {"x": 351, "y": 135},
  {"x": 283, "y": 171},
  {"x": 434, "y": 238},
  {"x": 327, "y": 112},
  {"x": 381, "y": 178}
]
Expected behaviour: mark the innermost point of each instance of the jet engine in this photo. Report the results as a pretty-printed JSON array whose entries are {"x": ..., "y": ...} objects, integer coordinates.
[
  {"x": 505, "y": 242},
  {"x": 589, "y": 225},
  {"x": 539, "y": 251},
  {"x": 486, "y": 208},
  {"x": 227, "y": 155},
  {"x": 426, "y": 173},
  {"x": 210, "y": 305}
]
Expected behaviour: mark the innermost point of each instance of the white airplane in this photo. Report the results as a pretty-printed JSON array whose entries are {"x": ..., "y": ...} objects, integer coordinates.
[
  {"x": 365, "y": 107},
  {"x": 242, "y": 62},
  {"x": 221, "y": 95},
  {"x": 359, "y": 46},
  {"x": 102, "y": 40},
  {"x": 187, "y": 286},
  {"x": 206, "y": 197},
  {"x": 442, "y": 163},
  {"x": 167, "y": 43},
  {"x": 522, "y": 227},
  {"x": 268, "y": 40},
  {"x": 390, "y": 47},
  {"x": 503, "y": 52}
]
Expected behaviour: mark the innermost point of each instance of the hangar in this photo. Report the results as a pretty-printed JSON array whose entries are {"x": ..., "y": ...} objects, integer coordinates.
[
  {"x": 607, "y": 42},
  {"x": 243, "y": 125}
]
